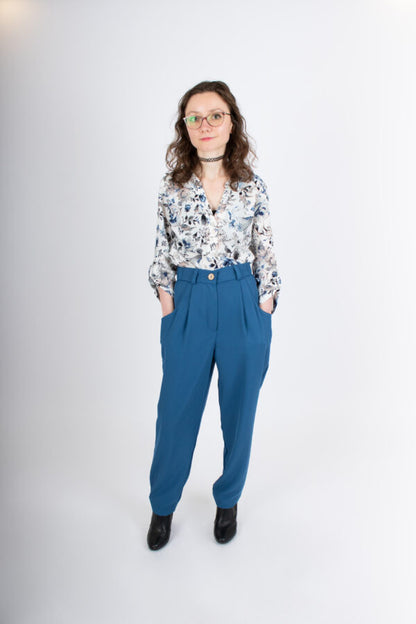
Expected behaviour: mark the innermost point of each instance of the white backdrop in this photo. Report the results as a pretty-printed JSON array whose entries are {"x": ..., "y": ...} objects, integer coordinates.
[{"x": 89, "y": 99}]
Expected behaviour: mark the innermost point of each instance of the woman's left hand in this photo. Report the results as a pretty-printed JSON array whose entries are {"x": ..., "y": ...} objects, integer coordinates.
[{"x": 267, "y": 305}]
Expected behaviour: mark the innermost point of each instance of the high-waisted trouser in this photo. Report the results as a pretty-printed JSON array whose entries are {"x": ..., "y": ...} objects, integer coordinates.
[{"x": 216, "y": 319}]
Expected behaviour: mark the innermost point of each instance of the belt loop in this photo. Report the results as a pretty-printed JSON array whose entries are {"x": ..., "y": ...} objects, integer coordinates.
[
  {"x": 194, "y": 276},
  {"x": 236, "y": 268}
]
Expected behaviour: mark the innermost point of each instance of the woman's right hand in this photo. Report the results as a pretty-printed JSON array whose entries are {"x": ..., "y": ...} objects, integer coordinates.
[
  {"x": 165, "y": 312},
  {"x": 166, "y": 301}
]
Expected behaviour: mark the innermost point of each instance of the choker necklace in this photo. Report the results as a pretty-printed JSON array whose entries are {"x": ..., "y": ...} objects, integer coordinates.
[{"x": 212, "y": 159}]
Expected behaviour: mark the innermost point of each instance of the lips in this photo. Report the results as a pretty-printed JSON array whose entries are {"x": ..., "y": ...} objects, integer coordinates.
[{"x": 207, "y": 139}]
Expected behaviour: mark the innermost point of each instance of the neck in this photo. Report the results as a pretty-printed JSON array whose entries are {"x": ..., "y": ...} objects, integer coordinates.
[{"x": 211, "y": 170}]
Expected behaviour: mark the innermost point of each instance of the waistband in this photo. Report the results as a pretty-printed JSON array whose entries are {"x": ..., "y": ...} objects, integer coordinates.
[{"x": 229, "y": 272}]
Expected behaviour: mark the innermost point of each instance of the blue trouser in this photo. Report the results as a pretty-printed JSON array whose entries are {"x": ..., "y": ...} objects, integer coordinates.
[{"x": 216, "y": 319}]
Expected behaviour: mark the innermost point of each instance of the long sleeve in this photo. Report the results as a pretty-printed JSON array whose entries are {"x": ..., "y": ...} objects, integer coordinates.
[
  {"x": 162, "y": 272},
  {"x": 264, "y": 265}
]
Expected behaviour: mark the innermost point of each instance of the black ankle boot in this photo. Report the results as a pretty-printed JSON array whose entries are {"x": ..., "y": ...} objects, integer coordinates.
[
  {"x": 225, "y": 524},
  {"x": 159, "y": 531}
]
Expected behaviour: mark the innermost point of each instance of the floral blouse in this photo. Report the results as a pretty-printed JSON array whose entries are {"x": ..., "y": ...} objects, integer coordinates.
[{"x": 189, "y": 233}]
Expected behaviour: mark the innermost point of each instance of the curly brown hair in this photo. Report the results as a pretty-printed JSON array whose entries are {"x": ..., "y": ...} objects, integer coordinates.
[{"x": 181, "y": 156}]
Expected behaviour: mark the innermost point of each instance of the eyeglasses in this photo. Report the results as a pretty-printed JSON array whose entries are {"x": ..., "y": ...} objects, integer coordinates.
[{"x": 214, "y": 119}]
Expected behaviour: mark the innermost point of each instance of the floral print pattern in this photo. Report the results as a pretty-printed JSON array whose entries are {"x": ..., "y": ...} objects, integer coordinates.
[{"x": 189, "y": 233}]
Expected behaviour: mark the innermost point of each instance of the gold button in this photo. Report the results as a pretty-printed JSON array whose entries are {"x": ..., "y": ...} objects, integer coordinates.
[{"x": 211, "y": 276}]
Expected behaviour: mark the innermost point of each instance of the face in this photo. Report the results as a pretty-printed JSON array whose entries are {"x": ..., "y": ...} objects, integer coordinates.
[{"x": 208, "y": 139}]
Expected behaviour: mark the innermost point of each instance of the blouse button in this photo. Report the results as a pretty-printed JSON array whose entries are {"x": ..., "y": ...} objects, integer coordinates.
[{"x": 211, "y": 276}]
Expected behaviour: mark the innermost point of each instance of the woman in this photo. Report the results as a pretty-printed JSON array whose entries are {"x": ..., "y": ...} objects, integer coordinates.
[{"x": 215, "y": 274}]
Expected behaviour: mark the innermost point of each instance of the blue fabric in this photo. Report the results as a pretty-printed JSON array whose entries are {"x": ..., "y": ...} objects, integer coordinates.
[{"x": 215, "y": 321}]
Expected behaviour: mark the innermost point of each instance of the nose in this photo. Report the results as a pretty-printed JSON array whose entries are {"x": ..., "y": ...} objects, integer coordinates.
[{"x": 205, "y": 121}]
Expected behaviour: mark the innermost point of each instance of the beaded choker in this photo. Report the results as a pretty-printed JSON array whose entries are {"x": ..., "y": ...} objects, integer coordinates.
[{"x": 212, "y": 159}]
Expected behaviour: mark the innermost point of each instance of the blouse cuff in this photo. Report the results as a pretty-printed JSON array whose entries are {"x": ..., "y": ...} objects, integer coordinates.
[{"x": 169, "y": 289}]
